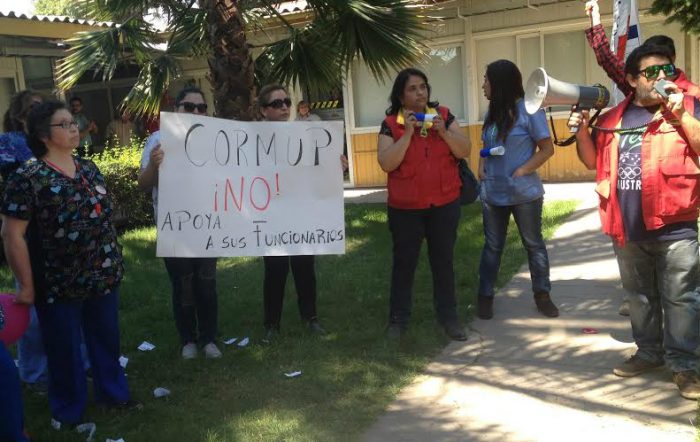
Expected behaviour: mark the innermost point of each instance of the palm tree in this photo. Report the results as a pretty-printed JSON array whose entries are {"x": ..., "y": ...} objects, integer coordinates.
[{"x": 383, "y": 34}]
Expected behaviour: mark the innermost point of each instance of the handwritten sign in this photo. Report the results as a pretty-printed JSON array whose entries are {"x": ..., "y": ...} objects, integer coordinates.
[{"x": 235, "y": 188}]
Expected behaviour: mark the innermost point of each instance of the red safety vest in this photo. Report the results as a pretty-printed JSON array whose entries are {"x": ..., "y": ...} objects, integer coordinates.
[
  {"x": 428, "y": 175},
  {"x": 670, "y": 173}
]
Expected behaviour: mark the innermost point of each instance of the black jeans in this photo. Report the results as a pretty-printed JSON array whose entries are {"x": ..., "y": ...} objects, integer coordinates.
[
  {"x": 438, "y": 225},
  {"x": 276, "y": 270},
  {"x": 194, "y": 298}
]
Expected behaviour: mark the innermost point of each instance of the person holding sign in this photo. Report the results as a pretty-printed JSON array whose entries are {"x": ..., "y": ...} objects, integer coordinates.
[
  {"x": 275, "y": 104},
  {"x": 195, "y": 303},
  {"x": 424, "y": 186},
  {"x": 74, "y": 278}
]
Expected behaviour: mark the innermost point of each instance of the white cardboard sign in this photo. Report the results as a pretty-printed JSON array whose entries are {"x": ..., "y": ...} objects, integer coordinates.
[{"x": 235, "y": 188}]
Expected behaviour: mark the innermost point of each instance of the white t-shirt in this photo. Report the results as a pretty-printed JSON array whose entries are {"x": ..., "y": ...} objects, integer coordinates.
[{"x": 151, "y": 143}]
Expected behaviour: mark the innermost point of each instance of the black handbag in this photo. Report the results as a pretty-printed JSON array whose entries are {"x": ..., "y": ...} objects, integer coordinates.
[{"x": 470, "y": 185}]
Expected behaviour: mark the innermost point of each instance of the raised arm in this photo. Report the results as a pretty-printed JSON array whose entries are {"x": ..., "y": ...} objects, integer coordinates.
[{"x": 600, "y": 44}]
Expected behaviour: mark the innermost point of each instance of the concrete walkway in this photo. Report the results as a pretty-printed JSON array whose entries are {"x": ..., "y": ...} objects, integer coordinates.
[{"x": 523, "y": 377}]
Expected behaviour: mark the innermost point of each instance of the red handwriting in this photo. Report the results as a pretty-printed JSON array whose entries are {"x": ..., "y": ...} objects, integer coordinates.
[{"x": 234, "y": 193}]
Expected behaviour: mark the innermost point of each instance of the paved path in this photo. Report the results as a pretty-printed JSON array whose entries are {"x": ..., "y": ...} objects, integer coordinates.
[{"x": 522, "y": 377}]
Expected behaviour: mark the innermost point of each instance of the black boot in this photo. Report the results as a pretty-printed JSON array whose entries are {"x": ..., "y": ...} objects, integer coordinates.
[
  {"x": 545, "y": 305},
  {"x": 484, "y": 307}
]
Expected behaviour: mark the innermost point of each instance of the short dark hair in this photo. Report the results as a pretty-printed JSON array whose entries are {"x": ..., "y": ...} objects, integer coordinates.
[
  {"x": 187, "y": 90},
  {"x": 662, "y": 40},
  {"x": 39, "y": 125},
  {"x": 20, "y": 104},
  {"x": 264, "y": 95},
  {"x": 646, "y": 50},
  {"x": 76, "y": 98},
  {"x": 400, "y": 84}
]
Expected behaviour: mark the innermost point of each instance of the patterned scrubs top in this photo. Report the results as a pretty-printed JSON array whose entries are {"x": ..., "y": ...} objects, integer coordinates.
[{"x": 80, "y": 254}]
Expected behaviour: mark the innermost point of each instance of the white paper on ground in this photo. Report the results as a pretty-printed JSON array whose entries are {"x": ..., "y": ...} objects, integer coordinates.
[
  {"x": 230, "y": 341},
  {"x": 123, "y": 360},
  {"x": 293, "y": 374},
  {"x": 146, "y": 346},
  {"x": 161, "y": 392},
  {"x": 88, "y": 428},
  {"x": 115, "y": 440},
  {"x": 244, "y": 342}
]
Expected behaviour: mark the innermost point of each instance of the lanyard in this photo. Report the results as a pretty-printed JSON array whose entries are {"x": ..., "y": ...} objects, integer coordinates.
[{"x": 86, "y": 185}]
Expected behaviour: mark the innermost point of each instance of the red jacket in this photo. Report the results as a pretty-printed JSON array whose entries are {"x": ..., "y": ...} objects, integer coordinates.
[
  {"x": 670, "y": 173},
  {"x": 427, "y": 176}
]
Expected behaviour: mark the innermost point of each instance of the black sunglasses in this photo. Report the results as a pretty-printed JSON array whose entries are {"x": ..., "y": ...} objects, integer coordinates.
[
  {"x": 278, "y": 103},
  {"x": 190, "y": 107},
  {"x": 651, "y": 72}
]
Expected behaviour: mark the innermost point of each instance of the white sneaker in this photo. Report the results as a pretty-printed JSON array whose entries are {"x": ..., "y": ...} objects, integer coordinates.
[
  {"x": 211, "y": 351},
  {"x": 189, "y": 351}
]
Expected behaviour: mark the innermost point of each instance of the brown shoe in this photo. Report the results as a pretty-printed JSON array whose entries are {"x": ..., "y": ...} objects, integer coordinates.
[
  {"x": 634, "y": 366},
  {"x": 688, "y": 384},
  {"x": 484, "y": 307},
  {"x": 545, "y": 305}
]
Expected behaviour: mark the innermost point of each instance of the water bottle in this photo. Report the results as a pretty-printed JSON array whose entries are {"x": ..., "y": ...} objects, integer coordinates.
[{"x": 492, "y": 151}]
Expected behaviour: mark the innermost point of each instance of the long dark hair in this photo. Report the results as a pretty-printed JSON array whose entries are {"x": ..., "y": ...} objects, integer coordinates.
[
  {"x": 400, "y": 85},
  {"x": 39, "y": 125},
  {"x": 20, "y": 104},
  {"x": 506, "y": 89}
]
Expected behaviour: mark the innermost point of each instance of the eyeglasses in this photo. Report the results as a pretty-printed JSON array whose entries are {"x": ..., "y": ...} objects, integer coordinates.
[
  {"x": 66, "y": 125},
  {"x": 652, "y": 72},
  {"x": 278, "y": 103},
  {"x": 190, "y": 107}
]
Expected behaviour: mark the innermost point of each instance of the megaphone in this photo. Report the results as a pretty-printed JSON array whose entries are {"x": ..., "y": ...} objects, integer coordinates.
[{"x": 543, "y": 91}]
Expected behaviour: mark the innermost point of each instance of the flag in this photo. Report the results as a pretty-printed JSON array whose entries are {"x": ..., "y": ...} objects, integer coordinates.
[{"x": 626, "y": 35}]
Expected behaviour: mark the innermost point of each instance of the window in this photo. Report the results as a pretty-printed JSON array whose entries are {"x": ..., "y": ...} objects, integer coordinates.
[
  {"x": 38, "y": 73},
  {"x": 445, "y": 75},
  {"x": 487, "y": 51}
]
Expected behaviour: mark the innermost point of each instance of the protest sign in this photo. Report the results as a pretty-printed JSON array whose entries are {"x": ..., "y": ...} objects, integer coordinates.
[{"x": 235, "y": 188}]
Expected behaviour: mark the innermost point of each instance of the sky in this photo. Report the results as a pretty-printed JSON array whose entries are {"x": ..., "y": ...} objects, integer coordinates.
[{"x": 18, "y": 6}]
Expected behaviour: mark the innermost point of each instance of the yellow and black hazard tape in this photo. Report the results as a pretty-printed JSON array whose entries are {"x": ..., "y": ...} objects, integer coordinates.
[{"x": 332, "y": 104}]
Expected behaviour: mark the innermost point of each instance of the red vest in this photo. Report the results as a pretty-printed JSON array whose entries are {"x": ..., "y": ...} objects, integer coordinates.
[
  {"x": 686, "y": 85},
  {"x": 428, "y": 175},
  {"x": 670, "y": 173}
]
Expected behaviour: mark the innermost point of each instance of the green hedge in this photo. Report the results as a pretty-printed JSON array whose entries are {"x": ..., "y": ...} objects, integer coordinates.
[{"x": 120, "y": 167}]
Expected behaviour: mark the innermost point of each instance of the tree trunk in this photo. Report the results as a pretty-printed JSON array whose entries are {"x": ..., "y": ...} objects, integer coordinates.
[{"x": 231, "y": 62}]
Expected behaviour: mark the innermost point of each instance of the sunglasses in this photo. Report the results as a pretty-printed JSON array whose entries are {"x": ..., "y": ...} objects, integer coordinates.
[
  {"x": 278, "y": 103},
  {"x": 65, "y": 124},
  {"x": 652, "y": 72},
  {"x": 190, "y": 107}
]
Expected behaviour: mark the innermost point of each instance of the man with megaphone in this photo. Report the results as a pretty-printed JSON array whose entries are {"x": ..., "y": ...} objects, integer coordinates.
[{"x": 645, "y": 152}]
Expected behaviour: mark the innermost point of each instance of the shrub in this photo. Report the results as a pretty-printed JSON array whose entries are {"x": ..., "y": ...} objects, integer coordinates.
[{"x": 120, "y": 167}]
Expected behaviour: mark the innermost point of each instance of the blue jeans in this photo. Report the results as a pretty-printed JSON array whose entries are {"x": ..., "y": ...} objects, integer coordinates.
[
  {"x": 30, "y": 353},
  {"x": 528, "y": 217},
  {"x": 661, "y": 281}
]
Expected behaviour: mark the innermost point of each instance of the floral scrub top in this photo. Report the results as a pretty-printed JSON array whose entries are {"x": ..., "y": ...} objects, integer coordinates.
[{"x": 80, "y": 257}]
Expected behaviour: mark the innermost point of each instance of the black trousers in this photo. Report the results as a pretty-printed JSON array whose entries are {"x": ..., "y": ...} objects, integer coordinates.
[
  {"x": 438, "y": 225},
  {"x": 276, "y": 270},
  {"x": 195, "y": 304}
]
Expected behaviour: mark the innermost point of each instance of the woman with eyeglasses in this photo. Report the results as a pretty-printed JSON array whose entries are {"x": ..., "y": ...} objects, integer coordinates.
[
  {"x": 510, "y": 184},
  {"x": 419, "y": 144},
  {"x": 274, "y": 104},
  {"x": 195, "y": 303},
  {"x": 58, "y": 205}
]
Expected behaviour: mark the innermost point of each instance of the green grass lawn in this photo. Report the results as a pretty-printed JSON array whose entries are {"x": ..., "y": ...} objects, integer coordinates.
[{"x": 349, "y": 376}]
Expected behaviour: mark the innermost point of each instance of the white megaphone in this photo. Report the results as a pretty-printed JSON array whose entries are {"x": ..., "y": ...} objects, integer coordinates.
[{"x": 542, "y": 91}]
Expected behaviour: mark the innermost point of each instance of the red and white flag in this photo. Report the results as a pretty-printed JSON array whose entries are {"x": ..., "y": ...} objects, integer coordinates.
[{"x": 626, "y": 34}]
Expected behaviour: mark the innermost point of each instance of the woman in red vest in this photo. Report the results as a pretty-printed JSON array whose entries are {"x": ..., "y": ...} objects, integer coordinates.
[{"x": 419, "y": 144}]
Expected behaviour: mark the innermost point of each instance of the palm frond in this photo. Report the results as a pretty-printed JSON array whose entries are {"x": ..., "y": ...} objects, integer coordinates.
[
  {"x": 145, "y": 96},
  {"x": 102, "y": 50},
  {"x": 303, "y": 57},
  {"x": 189, "y": 36}
]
